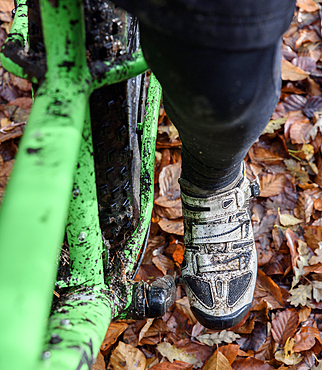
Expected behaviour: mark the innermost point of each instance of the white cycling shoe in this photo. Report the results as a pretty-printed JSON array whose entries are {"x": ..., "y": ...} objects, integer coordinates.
[{"x": 220, "y": 262}]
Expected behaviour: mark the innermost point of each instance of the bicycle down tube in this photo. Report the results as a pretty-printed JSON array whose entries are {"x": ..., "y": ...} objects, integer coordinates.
[{"x": 53, "y": 181}]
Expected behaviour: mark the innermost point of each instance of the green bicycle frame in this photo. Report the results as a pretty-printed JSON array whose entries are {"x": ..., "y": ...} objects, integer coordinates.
[{"x": 55, "y": 158}]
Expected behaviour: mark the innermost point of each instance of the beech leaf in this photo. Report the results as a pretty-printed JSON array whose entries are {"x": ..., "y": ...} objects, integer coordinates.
[
  {"x": 293, "y": 73},
  {"x": 126, "y": 357},
  {"x": 284, "y": 325},
  {"x": 217, "y": 362},
  {"x": 288, "y": 220},
  {"x": 293, "y": 359}
]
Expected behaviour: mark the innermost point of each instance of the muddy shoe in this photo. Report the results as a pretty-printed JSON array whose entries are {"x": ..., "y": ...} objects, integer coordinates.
[{"x": 220, "y": 262}]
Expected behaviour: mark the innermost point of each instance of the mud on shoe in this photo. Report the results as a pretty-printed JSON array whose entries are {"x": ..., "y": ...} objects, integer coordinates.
[{"x": 220, "y": 262}]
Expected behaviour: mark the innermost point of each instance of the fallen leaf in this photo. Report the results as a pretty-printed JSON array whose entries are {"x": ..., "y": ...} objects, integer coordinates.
[
  {"x": 292, "y": 73},
  {"x": 307, "y": 5},
  {"x": 318, "y": 257},
  {"x": 300, "y": 295},
  {"x": 168, "y": 178},
  {"x": 184, "y": 306},
  {"x": 271, "y": 184},
  {"x": 163, "y": 263},
  {"x": 317, "y": 290},
  {"x": 289, "y": 220},
  {"x": 172, "y": 227},
  {"x": 251, "y": 363},
  {"x": 288, "y": 348},
  {"x": 219, "y": 337},
  {"x": 293, "y": 359},
  {"x": 305, "y": 338},
  {"x": 99, "y": 363},
  {"x": 217, "y": 362},
  {"x": 296, "y": 171},
  {"x": 126, "y": 357},
  {"x": 256, "y": 339},
  {"x": 172, "y": 353},
  {"x": 313, "y": 235},
  {"x": 170, "y": 130},
  {"x": 273, "y": 125},
  {"x": 284, "y": 325},
  {"x": 113, "y": 332},
  {"x": 230, "y": 351},
  {"x": 175, "y": 365},
  {"x": 299, "y": 131},
  {"x": 145, "y": 328},
  {"x": 304, "y": 314},
  {"x": 306, "y": 36},
  {"x": 267, "y": 284}
]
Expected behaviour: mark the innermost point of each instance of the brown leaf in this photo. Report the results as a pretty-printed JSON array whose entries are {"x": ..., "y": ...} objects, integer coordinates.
[
  {"x": 163, "y": 263},
  {"x": 305, "y": 36},
  {"x": 172, "y": 227},
  {"x": 313, "y": 235},
  {"x": 175, "y": 365},
  {"x": 299, "y": 131},
  {"x": 265, "y": 352},
  {"x": 271, "y": 184},
  {"x": 99, "y": 363},
  {"x": 126, "y": 357},
  {"x": 251, "y": 363},
  {"x": 168, "y": 178},
  {"x": 292, "y": 242},
  {"x": 200, "y": 351},
  {"x": 256, "y": 339},
  {"x": 305, "y": 338},
  {"x": 292, "y": 73},
  {"x": 113, "y": 332},
  {"x": 184, "y": 306},
  {"x": 268, "y": 285},
  {"x": 24, "y": 103},
  {"x": 217, "y": 362},
  {"x": 304, "y": 314},
  {"x": 307, "y": 5},
  {"x": 230, "y": 351},
  {"x": 318, "y": 204},
  {"x": 284, "y": 325}
]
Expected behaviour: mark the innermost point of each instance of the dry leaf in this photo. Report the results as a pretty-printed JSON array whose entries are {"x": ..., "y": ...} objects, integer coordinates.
[
  {"x": 296, "y": 171},
  {"x": 99, "y": 363},
  {"x": 313, "y": 235},
  {"x": 307, "y": 5},
  {"x": 126, "y": 357},
  {"x": 230, "y": 351},
  {"x": 173, "y": 353},
  {"x": 293, "y": 359},
  {"x": 168, "y": 178},
  {"x": 163, "y": 263},
  {"x": 284, "y": 325},
  {"x": 271, "y": 184},
  {"x": 293, "y": 73},
  {"x": 170, "y": 130},
  {"x": 288, "y": 220},
  {"x": 273, "y": 125},
  {"x": 113, "y": 332},
  {"x": 176, "y": 365},
  {"x": 300, "y": 295},
  {"x": 217, "y": 362},
  {"x": 251, "y": 363},
  {"x": 219, "y": 337},
  {"x": 305, "y": 338},
  {"x": 267, "y": 284},
  {"x": 304, "y": 314},
  {"x": 172, "y": 227},
  {"x": 318, "y": 257},
  {"x": 145, "y": 328},
  {"x": 184, "y": 306}
]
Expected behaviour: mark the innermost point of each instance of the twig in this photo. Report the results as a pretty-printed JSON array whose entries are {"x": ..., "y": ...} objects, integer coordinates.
[{"x": 10, "y": 126}]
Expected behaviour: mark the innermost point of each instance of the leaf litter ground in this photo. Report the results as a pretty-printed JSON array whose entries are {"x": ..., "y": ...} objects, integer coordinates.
[{"x": 283, "y": 328}]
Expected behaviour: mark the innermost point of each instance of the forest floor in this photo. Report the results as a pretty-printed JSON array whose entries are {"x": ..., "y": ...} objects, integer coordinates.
[{"x": 283, "y": 328}]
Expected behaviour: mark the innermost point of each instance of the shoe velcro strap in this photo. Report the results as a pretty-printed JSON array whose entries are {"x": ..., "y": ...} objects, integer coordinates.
[
  {"x": 221, "y": 262},
  {"x": 216, "y": 206},
  {"x": 219, "y": 233}
]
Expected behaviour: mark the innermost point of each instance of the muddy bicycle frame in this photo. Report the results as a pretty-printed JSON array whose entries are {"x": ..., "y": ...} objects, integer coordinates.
[{"x": 55, "y": 157}]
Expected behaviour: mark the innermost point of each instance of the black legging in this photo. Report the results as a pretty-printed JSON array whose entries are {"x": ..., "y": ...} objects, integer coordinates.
[{"x": 219, "y": 65}]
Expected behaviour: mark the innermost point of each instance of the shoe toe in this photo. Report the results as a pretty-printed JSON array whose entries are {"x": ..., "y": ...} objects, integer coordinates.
[{"x": 220, "y": 322}]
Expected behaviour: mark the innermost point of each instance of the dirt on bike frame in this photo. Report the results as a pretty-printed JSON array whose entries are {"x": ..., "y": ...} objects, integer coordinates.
[{"x": 53, "y": 185}]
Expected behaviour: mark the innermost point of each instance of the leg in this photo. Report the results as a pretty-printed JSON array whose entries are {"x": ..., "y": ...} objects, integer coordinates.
[{"x": 219, "y": 65}]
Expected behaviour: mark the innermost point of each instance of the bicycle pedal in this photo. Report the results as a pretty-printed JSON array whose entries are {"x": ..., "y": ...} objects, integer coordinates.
[{"x": 153, "y": 300}]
